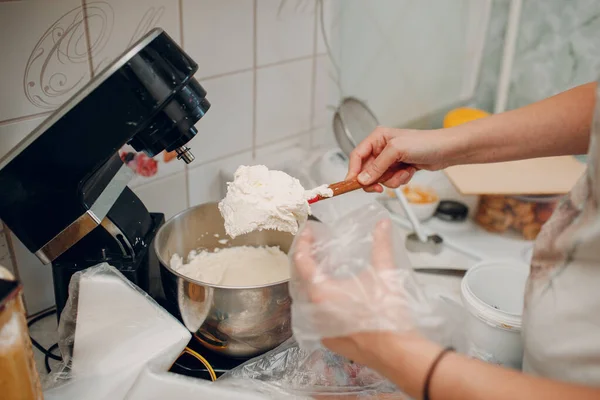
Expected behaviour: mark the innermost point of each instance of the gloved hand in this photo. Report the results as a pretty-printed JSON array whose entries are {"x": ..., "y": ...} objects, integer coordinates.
[{"x": 351, "y": 279}]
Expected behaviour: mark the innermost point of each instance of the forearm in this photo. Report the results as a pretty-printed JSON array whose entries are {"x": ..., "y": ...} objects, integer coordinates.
[
  {"x": 559, "y": 125},
  {"x": 407, "y": 361}
]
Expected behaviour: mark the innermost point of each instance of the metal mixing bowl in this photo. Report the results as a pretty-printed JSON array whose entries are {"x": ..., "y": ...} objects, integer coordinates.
[{"x": 239, "y": 322}]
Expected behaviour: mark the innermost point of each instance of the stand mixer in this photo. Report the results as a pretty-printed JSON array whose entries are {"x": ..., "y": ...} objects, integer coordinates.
[{"x": 64, "y": 186}]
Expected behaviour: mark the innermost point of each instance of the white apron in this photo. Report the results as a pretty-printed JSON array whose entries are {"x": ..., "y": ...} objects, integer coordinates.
[{"x": 561, "y": 322}]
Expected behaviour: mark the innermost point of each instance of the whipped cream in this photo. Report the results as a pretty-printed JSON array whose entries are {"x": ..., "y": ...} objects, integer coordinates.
[
  {"x": 234, "y": 266},
  {"x": 259, "y": 198}
]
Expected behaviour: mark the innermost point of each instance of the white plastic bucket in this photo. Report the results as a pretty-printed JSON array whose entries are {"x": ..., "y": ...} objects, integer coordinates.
[{"x": 493, "y": 294}]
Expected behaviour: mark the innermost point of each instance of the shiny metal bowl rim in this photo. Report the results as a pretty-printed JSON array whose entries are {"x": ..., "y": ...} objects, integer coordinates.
[{"x": 167, "y": 265}]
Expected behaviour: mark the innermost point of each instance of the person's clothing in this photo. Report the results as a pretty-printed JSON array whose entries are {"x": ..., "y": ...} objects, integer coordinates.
[{"x": 561, "y": 321}]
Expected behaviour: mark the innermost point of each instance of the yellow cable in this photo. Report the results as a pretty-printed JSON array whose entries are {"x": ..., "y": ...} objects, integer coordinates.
[{"x": 203, "y": 360}]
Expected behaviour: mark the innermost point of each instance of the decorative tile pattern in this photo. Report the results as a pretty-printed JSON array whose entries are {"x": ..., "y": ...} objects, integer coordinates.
[
  {"x": 115, "y": 25},
  {"x": 45, "y": 60}
]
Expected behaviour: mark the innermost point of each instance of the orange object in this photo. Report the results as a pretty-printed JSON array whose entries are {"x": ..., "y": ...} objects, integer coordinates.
[
  {"x": 462, "y": 115},
  {"x": 168, "y": 156},
  {"x": 19, "y": 379},
  {"x": 419, "y": 195}
]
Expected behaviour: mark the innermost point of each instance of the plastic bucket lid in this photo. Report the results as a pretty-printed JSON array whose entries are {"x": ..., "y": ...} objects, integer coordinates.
[{"x": 494, "y": 292}]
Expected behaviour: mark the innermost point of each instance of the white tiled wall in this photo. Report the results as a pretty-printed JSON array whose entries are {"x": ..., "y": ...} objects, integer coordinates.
[
  {"x": 408, "y": 58},
  {"x": 261, "y": 62}
]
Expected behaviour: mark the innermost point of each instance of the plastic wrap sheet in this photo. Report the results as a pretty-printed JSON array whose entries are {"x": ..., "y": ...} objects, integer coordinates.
[{"x": 309, "y": 374}]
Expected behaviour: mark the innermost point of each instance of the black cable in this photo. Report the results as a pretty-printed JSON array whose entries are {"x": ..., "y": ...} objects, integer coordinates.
[
  {"x": 41, "y": 316},
  {"x": 44, "y": 351},
  {"x": 47, "y": 353},
  {"x": 47, "y": 357}
]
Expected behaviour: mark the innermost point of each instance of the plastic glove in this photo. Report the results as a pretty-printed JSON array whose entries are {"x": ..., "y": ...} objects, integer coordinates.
[{"x": 353, "y": 277}]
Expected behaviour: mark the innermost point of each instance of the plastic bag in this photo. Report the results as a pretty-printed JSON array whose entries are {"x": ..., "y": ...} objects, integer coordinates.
[
  {"x": 353, "y": 276},
  {"x": 118, "y": 343},
  {"x": 369, "y": 286},
  {"x": 303, "y": 374}
]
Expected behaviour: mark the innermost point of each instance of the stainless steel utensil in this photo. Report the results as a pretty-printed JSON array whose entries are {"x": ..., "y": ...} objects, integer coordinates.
[
  {"x": 239, "y": 322},
  {"x": 353, "y": 121},
  {"x": 441, "y": 271}
]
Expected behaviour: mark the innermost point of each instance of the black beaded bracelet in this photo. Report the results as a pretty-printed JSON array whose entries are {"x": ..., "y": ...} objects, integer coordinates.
[{"x": 434, "y": 364}]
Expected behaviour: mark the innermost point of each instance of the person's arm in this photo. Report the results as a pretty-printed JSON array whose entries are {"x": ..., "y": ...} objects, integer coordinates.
[
  {"x": 559, "y": 125},
  {"x": 405, "y": 360}
]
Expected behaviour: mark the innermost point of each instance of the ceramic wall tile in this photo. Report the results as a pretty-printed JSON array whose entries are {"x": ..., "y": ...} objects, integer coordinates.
[
  {"x": 219, "y": 34},
  {"x": 167, "y": 195},
  {"x": 285, "y": 151},
  {"x": 13, "y": 133},
  {"x": 330, "y": 26},
  {"x": 323, "y": 138},
  {"x": 283, "y": 100},
  {"x": 227, "y": 126},
  {"x": 206, "y": 182},
  {"x": 285, "y": 30},
  {"x": 327, "y": 93},
  {"x": 115, "y": 25},
  {"x": 404, "y": 58},
  {"x": 44, "y": 55},
  {"x": 35, "y": 276}
]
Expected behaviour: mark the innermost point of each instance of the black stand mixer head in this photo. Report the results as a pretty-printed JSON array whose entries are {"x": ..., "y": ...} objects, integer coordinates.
[{"x": 64, "y": 186}]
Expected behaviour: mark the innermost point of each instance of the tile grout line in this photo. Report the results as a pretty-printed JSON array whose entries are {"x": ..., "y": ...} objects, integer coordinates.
[
  {"x": 314, "y": 76},
  {"x": 25, "y": 118},
  {"x": 88, "y": 38},
  {"x": 226, "y": 156},
  {"x": 257, "y": 67},
  {"x": 283, "y": 62},
  {"x": 186, "y": 169},
  {"x": 274, "y": 64},
  {"x": 254, "y": 75}
]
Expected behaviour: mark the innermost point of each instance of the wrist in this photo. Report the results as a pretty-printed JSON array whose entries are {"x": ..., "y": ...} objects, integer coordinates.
[
  {"x": 457, "y": 145},
  {"x": 403, "y": 358}
]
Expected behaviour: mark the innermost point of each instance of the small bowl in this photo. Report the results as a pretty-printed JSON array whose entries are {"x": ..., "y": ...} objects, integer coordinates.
[{"x": 424, "y": 209}]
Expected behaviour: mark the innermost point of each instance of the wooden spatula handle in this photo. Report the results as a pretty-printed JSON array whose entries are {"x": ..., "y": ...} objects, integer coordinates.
[
  {"x": 345, "y": 187},
  {"x": 352, "y": 184}
]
